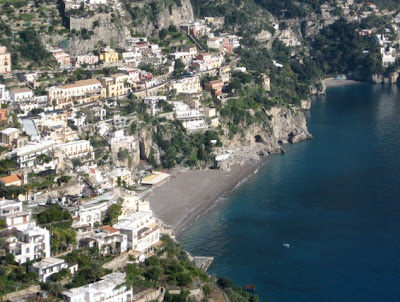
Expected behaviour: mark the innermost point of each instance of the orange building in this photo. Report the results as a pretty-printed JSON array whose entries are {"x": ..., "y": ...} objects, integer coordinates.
[{"x": 3, "y": 114}]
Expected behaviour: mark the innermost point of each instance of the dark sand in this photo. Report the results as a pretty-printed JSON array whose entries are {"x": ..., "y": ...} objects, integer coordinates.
[{"x": 189, "y": 194}]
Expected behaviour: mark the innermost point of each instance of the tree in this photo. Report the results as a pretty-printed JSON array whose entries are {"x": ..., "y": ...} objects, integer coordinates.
[
  {"x": 179, "y": 66},
  {"x": 10, "y": 258},
  {"x": 3, "y": 224},
  {"x": 112, "y": 214}
]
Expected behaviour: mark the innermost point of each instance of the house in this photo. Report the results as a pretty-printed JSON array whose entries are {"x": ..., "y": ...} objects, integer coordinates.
[
  {"x": 80, "y": 92},
  {"x": 15, "y": 217},
  {"x": 152, "y": 103},
  {"x": 84, "y": 59},
  {"x": 7, "y": 136},
  {"x": 5, "y": 60},
  {"x": 120, "y": 176},
  {"x": 21, "y": 94},
  {"x": 141, "y": 229},
  {"x": 214, "y": 86},
  {"x": 110, "y": 288},
  {"x": 120, "y": 141},
  {"x": 88, "y": 214},
  {"x": 50, "y": 266},
  {"x": 4, "y": 94},
  {"x": 191, "y": 119},
  {"x": 14, "y": 180},
  {"x": 108, "y": 55},
  {"x": 29, "y": 242},
  {"x": 3, "y": 114},
  {"x": 107, "y": 240},
  {"x": 63, "y": 59}
]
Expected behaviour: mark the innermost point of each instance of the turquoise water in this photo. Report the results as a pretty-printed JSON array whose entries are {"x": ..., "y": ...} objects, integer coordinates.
[{"x": 335, "y": 200}]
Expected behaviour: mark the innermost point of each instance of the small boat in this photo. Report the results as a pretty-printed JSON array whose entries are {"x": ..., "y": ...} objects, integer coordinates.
[{"x": 287, "y": 245}]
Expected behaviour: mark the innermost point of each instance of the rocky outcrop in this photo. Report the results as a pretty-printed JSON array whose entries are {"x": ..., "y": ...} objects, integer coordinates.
[
  {"x": 167, "y": 15},
  {"x": 318, "y": 88}
]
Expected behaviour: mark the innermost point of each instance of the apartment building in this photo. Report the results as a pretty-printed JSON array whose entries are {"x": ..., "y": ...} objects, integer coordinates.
[
  {"x": 186, "y": 85},
  {"x": 116, "y": 85},
  {"x": 5, "y": 60},
  {"x": 26, "y": 156},
  {"x": 77, "y": 149},
  {"x": 110, "y": 288},
  {"x": 80, "y": 92},
  {"x": 84, "y": 59},
  {"x": 191, "y": 119},
  {"x": 63, "y": 59},
  {"x": 152, "y": 103},
  {"x": 15, "y": 217},
  {"x": 119, "y": 141}
]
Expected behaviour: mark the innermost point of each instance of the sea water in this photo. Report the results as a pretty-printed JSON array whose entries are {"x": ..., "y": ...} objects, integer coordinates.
[{"x": 322, "y": 221}]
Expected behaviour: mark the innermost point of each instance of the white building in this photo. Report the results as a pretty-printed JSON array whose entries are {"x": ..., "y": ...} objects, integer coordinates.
[
  {"x": 21, "y": 94},
  {"x": 109, "y": 289},
  {"x": 50, "y": 266},
  {"x": 26, "y": 155},
  {"x": 152, "y": 103},
  {"x": 90, "y": 213},
  {"x": 30, "y": 244},
  {"x": 11, "y": 212},
  {"x": 4, "y": 94},
  {"x": 121, "y": 141},
  {"x": 191, "y": 119},
  {"x": 77, "y": 149},
  {"x": 141, "y": 229}
]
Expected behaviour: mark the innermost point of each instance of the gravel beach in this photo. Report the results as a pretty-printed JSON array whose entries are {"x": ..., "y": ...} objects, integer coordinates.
[
  {"x": 331, "y": 82},
  {"x": 189, "y": 194}
]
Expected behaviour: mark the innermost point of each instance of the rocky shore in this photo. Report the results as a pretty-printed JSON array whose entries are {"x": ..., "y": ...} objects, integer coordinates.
[{"x": 189, "y": 194}]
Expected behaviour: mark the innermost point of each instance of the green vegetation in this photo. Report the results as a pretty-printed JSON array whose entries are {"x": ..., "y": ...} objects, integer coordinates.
[
  {"x": 112, "y": 214},
  {"x": 52, "y": 214}
]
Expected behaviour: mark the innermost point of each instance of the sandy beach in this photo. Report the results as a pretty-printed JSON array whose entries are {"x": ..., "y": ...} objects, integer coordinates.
[
  {"x": 189, "y": 194},
  {"x": 331, "y": 82}
]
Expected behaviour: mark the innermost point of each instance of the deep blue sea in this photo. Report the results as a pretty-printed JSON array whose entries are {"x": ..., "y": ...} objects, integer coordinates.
[{"x": 334, "y": 199}]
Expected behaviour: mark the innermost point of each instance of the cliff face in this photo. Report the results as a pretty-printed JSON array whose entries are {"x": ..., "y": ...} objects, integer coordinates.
[{"x": 152, "y": 18}]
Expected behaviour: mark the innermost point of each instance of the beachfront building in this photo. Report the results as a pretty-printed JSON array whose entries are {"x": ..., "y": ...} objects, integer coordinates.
[
  {"x": 142, "y": 230},
  {"x": 110, "y": 288},
  {"x": 120, "y": 176},
  {"x": 50, "y": 266},
  {"x": 5, "y": 60},
  {"x": 107, "y": 240},
  {"x": 80, "y": 92}
]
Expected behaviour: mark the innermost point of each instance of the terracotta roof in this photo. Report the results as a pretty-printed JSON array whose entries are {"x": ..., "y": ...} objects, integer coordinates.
[
  {"x": 108, "y": 229},
  {"x": 11, "y": 178},
  {"x": 92, "y": 171},
  {"x": 216, "y": 82},
  {"x": 81, "y": 83}
]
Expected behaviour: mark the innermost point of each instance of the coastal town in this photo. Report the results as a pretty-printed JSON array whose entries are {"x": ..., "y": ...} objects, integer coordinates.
[{"x": 83, "y": 146}]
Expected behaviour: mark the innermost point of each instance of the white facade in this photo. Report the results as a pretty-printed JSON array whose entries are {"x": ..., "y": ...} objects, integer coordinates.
[
  {"x": 119, "y": 140},
  {"x": 90, "y": 213},
  {"x": 11, "y": 212},
  {"x": 141, "y": 229},
  {"x": 191, "y": 119},
  {"x": 77, "y": 149},
  {"x": 48, "y": 267},
  {"x": 21, "y": 94},
  {"x": 107, "y": 238},
  {"x": 4, "y": 93},
  {"x": 152, "y": 103},
  {"x": 26, "y": 155},
  {"x": 108, "y": 289}
]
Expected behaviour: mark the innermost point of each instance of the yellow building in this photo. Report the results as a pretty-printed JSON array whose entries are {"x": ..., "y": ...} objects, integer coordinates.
[
  {"x": 108, "y": 55},
  {"x": 5, "y": 60},
  {"x": 116, "y": 85}
]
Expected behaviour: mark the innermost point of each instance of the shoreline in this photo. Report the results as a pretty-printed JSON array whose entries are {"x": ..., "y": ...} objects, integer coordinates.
[
  {"x": 190, "y": 194},
  {"x": 332, "y": 82}
]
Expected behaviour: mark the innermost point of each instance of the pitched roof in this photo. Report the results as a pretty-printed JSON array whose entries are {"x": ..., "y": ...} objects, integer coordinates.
[
  {"x": 20, "y": 90},
  {"x": 11, "y": 178},
  {"x": 81, "y": 83},
  {"x": 108, "y": 229}
]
